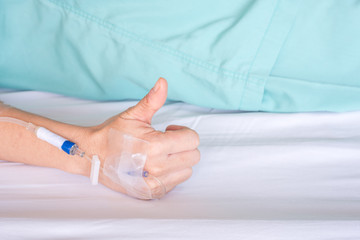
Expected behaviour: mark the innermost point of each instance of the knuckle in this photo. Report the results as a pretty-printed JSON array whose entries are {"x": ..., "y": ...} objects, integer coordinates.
[
  {"x": 193, "y": 136},
  {"x": 197, "y": 156},
  {"x": 173, "y": 127},
  {"x": 154, "y": 185},
  {"x": 189, "y": 172},
  {"x": 196, "y": 138},
  {"x": 156, "y": 171}
]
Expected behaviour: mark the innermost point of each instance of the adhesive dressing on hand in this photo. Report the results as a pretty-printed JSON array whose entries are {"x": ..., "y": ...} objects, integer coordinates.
[{"x": 124, "y": 163}]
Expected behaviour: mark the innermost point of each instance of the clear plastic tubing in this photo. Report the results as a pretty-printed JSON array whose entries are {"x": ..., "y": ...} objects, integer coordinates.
[
  {"x": 72, "y": 149},
  {"x": 14, "y": 120},
  {"x": 47, "y": 136},
  {"x": 59, "y": 142}
]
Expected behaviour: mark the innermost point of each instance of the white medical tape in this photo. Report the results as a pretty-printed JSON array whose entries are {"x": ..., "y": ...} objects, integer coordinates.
[
  {"x": 50, "y": 137},
  {"x": 95, "y": 169}
]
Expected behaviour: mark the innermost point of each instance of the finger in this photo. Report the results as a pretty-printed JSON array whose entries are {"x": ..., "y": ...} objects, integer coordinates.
[
  {"x": 181, "y": 140},
  {"x": 174, "y": 127},
  {"x": 175, "y": 178},
  {"x": 145, "y": 109},
  {"x": 182, "y": 160},
  {"x": 178, "y": 161},
  {"x": 172, "y": 163}
]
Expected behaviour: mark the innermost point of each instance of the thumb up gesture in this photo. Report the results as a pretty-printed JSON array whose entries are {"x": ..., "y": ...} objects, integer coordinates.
[{"x": 171, "y": 154}]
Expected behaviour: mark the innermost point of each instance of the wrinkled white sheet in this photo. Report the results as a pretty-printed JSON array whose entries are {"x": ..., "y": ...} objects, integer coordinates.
[{"x": 261, "y": 176}]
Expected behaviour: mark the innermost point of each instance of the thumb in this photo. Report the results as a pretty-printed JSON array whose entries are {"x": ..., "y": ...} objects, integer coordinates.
[{"x": 150, "y": 104}]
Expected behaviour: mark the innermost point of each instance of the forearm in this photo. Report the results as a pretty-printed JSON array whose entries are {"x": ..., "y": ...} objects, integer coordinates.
[
  {"x": 170, "y": 155},
  {"x": 21, "y": 145}
]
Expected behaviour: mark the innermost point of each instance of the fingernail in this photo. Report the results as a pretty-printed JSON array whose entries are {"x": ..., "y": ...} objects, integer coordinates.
[
  {"x": 153, "y": 90},
  {"x": 157, "y": 85}
]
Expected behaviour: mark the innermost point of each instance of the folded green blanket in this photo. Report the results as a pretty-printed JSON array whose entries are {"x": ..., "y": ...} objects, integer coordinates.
[{"x": 268, "y": 55}]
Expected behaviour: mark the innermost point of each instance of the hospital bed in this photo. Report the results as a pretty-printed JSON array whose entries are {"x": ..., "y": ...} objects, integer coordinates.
[{"x": 261, "y": 176}]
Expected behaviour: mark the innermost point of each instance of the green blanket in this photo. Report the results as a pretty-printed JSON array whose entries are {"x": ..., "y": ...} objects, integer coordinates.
[{"x": 268, "y": 55}]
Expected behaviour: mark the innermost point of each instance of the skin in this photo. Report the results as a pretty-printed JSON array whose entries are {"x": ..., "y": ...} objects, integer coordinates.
[{"x": 171, "y": 155}]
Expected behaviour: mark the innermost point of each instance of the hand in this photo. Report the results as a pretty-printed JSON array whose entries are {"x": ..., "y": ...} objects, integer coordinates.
[{"x": 172, "y": 153}]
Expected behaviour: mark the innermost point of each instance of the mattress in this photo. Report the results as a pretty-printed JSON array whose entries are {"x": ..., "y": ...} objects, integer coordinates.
[{"x": 261, "y": 176}]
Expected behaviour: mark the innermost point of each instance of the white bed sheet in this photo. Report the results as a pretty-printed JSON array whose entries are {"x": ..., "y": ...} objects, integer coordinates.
[{"x": 261, "y": 176}]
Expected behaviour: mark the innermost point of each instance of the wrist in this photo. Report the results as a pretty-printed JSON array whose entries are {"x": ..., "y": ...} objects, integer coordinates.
[
  {"x": 75, "y": 164},
  {"x": 90, "y": 140}
]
